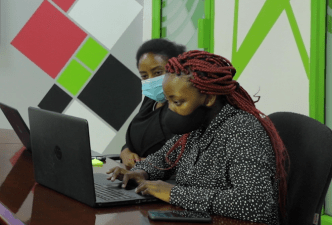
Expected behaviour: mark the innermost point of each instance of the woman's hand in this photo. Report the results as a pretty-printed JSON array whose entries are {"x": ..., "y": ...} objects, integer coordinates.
[
  {"x": 158, "y": 189},
  {"x": 125, "y": 175},
  {"x": 129, "y": 158}
]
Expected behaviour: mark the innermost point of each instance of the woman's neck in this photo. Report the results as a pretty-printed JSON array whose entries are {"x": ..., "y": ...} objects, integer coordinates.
[{"x": 215, "y": 109}]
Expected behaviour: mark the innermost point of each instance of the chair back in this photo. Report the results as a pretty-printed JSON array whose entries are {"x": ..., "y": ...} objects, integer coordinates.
[{"x": 309, "y": 145}]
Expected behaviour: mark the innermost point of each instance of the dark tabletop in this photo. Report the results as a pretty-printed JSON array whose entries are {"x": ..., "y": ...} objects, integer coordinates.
[{"x": 23, "y": 200}]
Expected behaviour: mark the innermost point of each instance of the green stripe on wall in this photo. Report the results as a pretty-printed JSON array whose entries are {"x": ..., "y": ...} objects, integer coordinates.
[
  {"x": 209, "y": 15},
  {"x": 317, "y": 61},
  {"x": 235, "y": 29},
  {"x": 298, "y": 38},
  {"x": 263, "y": 23},
  {"x": 156, "y": 17}
]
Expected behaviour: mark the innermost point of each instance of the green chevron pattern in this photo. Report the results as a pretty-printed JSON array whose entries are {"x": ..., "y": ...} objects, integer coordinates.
[{"x": 264, "y": 22}]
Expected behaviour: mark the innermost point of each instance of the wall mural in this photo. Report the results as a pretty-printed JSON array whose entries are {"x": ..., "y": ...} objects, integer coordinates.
[
  {"x": 80, "y": 44},
  {"x": 268, "y": 42}
]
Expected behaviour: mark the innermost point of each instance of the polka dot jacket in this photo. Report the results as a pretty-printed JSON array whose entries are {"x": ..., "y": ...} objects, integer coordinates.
[{"x": 227, "y": 169}]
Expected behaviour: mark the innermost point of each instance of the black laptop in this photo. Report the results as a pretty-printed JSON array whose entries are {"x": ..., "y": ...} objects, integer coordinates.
[
  {"x": 18, "y": 124},
  {"x": 21, "y": 129},
  {"x": 62, "y": 161}
]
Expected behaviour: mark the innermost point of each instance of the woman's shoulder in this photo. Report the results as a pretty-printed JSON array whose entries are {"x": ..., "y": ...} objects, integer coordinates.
[
  {"x": 245, "y": 129},
  {"x": 148, "y": 101},
  {"x": 242, "y": 120}
]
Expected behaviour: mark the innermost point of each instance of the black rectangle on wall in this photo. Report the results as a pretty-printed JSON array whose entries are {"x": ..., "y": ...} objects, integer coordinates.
[
  {"x": 55, "y": 100},
  {"x": 113, "y": 93}
]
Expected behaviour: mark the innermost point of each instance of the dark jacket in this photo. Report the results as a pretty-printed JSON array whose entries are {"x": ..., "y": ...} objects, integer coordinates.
[{"x": 147, "y": 133}]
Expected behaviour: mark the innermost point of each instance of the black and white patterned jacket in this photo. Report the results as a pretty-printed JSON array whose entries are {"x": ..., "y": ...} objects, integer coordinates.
[{"x": 227, "y": 169}]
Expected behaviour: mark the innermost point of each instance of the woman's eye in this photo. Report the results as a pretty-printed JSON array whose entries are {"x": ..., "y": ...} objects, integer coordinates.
[
  {"x": 158, "y": 73},
  {"x": 144, "y": 77}
]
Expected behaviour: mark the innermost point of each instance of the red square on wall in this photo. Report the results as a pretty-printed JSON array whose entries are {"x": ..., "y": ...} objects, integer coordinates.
[
  {"x": 49, "y": 39},
  {"x": 64, "y": 4}
]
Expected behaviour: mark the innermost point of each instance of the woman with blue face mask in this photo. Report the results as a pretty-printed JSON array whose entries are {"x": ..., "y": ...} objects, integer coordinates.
[{"x": 147, "y": 133}]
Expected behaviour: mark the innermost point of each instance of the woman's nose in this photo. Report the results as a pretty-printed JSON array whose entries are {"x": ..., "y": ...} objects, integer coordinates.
[{"x": 151, "y": 76}]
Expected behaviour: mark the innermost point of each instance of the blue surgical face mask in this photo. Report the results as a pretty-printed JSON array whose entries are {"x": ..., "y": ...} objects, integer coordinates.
[{"x": 152, "y": 88}]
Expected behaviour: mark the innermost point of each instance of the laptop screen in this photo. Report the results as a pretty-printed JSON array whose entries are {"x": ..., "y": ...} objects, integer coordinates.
[{"x": 18, "y": 124}]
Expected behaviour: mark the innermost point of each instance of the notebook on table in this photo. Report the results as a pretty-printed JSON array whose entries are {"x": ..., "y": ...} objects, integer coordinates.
[{"x": 62, "y": 161}]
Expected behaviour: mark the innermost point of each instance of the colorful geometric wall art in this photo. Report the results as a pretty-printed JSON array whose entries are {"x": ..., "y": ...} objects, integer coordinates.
[
  {"x": 55, "y": 100},
  {"x": 74, "y": 77},
  {"x": 260, "y": 34},
  {"x": 64, "y": 4},
  {"x": 105, "y": 20},
  {"x": 113, "y": 92},
  {"x": 89, "y": 80},
  {"x": 91, "y": 53},
  {"x": 126, "y": 47},
  {"x": 100, "y": 133},
  {"x": 49, "y": 39}
]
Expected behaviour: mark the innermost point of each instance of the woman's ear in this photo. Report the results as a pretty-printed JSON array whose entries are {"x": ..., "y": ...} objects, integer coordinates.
[{"x": 210, "y": 100}]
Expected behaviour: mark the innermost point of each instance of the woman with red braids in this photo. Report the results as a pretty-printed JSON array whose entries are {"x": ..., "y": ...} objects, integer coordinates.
[{"x": 227, "y": 155}]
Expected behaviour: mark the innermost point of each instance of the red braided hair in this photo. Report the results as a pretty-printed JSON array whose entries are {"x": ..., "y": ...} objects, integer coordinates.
[{"x": 213, "y": 74}]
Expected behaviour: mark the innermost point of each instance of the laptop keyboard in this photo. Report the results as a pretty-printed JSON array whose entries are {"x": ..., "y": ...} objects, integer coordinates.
[{"x": 110, "y": 193}]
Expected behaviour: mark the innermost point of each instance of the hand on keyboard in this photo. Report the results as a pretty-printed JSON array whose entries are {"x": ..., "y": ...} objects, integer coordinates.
[{"x": 125, "y": 175}]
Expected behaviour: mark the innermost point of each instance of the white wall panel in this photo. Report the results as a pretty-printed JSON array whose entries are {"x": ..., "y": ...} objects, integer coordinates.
[
  {"x": 302, "y": 13},
  {"x": 223, "y": 28},
  {"x": 147, "y": 20},
  {"x": 277, "y": 69},
  {"x": 248, "y": 11},
  {"x": 106, "y": 20}
]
